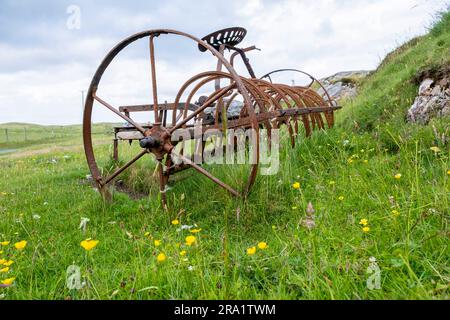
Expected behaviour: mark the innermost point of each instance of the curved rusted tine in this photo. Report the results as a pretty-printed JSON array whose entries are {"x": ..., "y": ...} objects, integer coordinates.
[
  {"x": 267, "y": 75},
  {"x": 300, "y": 103},
  {"x": 329, "y": 115},
  {"x": 188, "y": 83},
  {"x": 123, "y": 168},
  {"x": 168, "y": 164},
  {"x": 287, "y": 121},
  {"x": 188, "y": 100},
  {"x": 275, "y": 98},
  {"x": 261, "y": 99},
  {"x": 296, "y": 125},
  {"x": 301, "y": 99},
  {"x": 216, "y": 96},
  {"x": 128, "y": 119},
  {"x": 280, "y": 94},
  {"x": 154, "y": 86},
  {"x": 207, "y": 174},
  {"x": 197, "y": 87},
  {"x": 305, "y": 73},
  {"x": 162, "y": 185},
  {"x": 313, "y": 100}
]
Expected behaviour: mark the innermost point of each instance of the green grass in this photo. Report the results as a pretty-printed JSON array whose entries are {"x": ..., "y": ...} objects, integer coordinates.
[
  {"x": 329, "y": 261},
  {"x": 17, "y": 136}
]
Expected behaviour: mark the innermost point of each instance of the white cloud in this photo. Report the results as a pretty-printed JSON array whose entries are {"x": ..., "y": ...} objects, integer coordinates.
[{"x": 41, "y": 79}]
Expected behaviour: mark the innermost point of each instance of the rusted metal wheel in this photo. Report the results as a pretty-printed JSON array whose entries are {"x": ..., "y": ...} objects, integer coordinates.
[{"x": 156, "y": 138}]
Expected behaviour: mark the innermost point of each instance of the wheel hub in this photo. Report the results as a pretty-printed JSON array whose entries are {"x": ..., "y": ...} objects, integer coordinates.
[{"x": 157, "y": 140}]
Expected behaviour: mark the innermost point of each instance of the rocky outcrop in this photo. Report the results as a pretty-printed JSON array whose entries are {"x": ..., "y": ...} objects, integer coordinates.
[
  {"x": 433, "y": 99},
  {"x": 343, "y": 85}
]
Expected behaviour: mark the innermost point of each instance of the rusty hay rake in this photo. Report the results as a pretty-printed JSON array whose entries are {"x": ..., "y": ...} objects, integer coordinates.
[{"x": 236, "y": 102}]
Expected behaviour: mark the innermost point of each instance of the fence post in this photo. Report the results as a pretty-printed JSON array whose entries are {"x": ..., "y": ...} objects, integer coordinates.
[{"x": 6, "y": 134}]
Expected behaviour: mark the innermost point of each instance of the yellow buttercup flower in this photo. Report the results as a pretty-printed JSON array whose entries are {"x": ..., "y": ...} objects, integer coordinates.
[
  {"x": 4, "y": 270},
  {"x": 146, "y": 234},
  {"x": 89, "y": 244},
  {"x": 435, "y": 149},
  {"x": 366, "y": 161},
  {"x": 341, "y": 198},
  {"x": 183, "y": 253},
  {"x": 175, "y": 222},
  {"x": 4, "y": 243},
  {"x": 8, "y": 282},
  {"x": 262, "y": 245},
  {"x": 366, "y": 229},
  {"x": 157, "y": 243},
  {"x": 296, "y": 185},
  {"x": 398, "y": 176},
  {"x": 251, "y": 251},
  {"x": 161, "y": 257},
  {"x": 2, "y": 261},
  {"x": 8, "y": 263},
  {"x": 190, "y": 240},
  {"x": 448, "y": 172},
  {"x": 20, "y": 245},
  {"x": 195, "y": 230},
  {"x": 395, "y": 213},
  {"x": 364, "y": 222}
]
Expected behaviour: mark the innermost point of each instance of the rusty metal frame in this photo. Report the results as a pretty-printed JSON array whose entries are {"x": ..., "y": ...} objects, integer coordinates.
[{"x": 265, "y": 104}]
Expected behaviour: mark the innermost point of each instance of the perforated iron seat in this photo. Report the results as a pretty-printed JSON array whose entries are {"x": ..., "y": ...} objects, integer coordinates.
[{"x": 229, "y": 36}]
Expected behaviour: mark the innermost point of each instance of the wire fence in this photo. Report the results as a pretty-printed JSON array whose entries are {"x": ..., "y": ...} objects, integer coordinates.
[{"x": 53, "y": 133}]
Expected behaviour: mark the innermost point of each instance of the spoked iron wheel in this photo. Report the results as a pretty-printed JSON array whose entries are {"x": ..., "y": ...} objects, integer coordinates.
[{"x": 157, "y": 137}]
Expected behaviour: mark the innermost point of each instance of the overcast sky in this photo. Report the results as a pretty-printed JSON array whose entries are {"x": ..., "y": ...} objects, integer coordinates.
[{"x": 48, "y": 56}]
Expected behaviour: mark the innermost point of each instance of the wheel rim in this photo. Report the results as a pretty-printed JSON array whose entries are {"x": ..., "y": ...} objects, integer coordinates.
[{"x": 91, "y": 96}]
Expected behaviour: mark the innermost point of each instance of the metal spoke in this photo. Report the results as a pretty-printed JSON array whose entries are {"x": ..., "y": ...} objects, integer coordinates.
[
  {"x": 126, "y": 118},
  {"x": 154, "y": 88},
  {"x": 162, "y": 184},
  {"x": 207, "y": 174},
  {"x": 214, "y": 97},
  {"x": 121, "y": 169}
]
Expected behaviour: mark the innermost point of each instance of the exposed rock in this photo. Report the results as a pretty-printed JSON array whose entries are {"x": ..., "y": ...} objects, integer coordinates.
[
  {"x": 433, "y": 101},
  {"x": 342, "y": 85},
  {"x": 425, "y": 85}
]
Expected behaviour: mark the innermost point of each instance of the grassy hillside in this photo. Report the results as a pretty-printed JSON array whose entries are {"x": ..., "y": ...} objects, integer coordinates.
[
  {"x": 378, "y": 191},
  {"x": 387, "y": 94}
]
